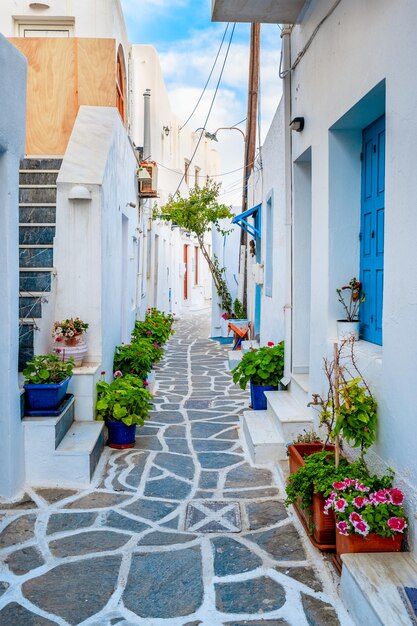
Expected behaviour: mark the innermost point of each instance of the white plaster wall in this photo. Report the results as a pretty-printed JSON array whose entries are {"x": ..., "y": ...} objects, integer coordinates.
[
  {"x": 226, "y": 248},
  {"x": 359, "y": 46},
  {"x": 96, "y": 241},
  {"x": 12, "y": 142}
]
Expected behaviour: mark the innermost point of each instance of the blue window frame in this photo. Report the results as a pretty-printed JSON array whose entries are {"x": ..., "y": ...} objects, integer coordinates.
[{"x": 372, "y": 230}]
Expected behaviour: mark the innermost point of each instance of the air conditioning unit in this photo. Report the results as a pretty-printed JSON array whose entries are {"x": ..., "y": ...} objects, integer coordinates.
[{"x": 148, "y": 187}]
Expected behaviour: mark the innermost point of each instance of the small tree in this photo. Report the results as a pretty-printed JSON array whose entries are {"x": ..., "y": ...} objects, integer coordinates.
[{"x": 199, "y": 213}]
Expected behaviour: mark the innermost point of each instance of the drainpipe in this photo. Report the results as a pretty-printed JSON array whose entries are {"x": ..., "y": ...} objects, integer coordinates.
[
  {"x": 147, "y": 125},
  {"x": 286, "y": 48}
]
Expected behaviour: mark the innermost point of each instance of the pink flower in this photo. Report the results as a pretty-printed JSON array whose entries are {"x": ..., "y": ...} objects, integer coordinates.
[
  {"x": 58, "y": 350},
  {"x": 340, "y": 485},
  {"x": 270, "y": 344},
  {"x": 360, "y": 501},
  {"x": 380, "y": 497},
  {"x": 362, "y": 528},
  {"x": 149, "y": 332},
  {"x": 342, "y": 527},
  {"x": 340, "y": 505},
  {"x": 349, "y": 481},
  {"x": 396, "y": 496},
  {"x": 398, "y": 524},
  {"x": 355, "y": 518},
  {"x": 361, "y": 487},
  {"x": 117, "y": 374}
]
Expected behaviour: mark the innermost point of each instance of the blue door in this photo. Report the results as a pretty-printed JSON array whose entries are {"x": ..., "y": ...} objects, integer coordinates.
[
  {"x": 372, "y": 230},
  {"x": 257, "y": 224}
]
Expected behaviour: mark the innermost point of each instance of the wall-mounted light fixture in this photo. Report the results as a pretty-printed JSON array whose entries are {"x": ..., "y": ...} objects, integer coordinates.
[
  {"x": 131, "y": 204},
  {"x": 79, "y": 192},
  {"x": 166, "y": 130},
  {"x": 39, "y": 5},
  {"x": 297, "y": 124}
]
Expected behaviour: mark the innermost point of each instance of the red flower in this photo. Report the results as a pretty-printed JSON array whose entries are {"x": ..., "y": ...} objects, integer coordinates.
[
  {"x": 102, "y": 373},
  {"x": 397, "y": 523},
  {"x": 270, "y": 343},
  {"x": 58, "y": 338},
  {"x": 396, "y": 496},
  {"x": 145, "y": 383}
]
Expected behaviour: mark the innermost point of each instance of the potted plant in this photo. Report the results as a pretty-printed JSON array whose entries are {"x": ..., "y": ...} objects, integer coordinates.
[
  {"x": 122, "y": 404},
  {"x": 157, "y": 326},
  {"x": 135, "y": 358},
  {"x": 46, "y": 382},
  {"x": 367, "y": 520},
  {"x": 69, "y": 334},
  {"x": 263, "y": 368},
  {"x": 348, "y": 412},
  {"x": 351, "y": 296}
]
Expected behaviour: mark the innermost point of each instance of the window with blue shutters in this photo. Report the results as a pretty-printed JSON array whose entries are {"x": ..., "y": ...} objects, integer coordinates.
[{"x": 372, "y": 230}]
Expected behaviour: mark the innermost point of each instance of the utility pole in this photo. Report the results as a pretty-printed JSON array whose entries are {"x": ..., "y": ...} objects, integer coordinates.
[{"x": 250, "y": 143}]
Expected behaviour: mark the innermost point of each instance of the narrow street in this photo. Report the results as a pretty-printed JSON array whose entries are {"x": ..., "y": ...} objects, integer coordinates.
[{"x": 179, "y": 531}]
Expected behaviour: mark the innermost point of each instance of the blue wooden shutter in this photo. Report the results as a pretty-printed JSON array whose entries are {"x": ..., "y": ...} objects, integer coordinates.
[{"x": 372, "y": 230}]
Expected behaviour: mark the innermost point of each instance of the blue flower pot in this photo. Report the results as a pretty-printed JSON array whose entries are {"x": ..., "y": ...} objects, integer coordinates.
[
  {"x": 120, "y": 435},
  {"x": 45, "y": 397},
  {"x": 257, "y": 395}
]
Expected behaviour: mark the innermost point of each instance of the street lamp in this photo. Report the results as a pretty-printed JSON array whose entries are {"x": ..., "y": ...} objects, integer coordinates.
[{"x": 213, "y": 136}]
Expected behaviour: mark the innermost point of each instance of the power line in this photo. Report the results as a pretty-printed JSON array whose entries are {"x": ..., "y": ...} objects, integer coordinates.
[
  {"x": 209, "y": 111},
  {"x": 209, "y": 175},
  {"x": 208, "y": 80}
]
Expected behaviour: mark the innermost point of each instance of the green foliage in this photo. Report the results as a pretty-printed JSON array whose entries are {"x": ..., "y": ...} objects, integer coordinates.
[
  {"x": 47, "y": 369},
  {"x": 357, "y": 416},
  {"x": 264, "y": 366},
  {"x": 156, "y": 327},
  {"x": 238, "y": 310},
  {"x": 135, "y": 358},
  {"x": 200, "y": 213},
  {"x": 308, "y": 436},
  {"x": 123, "y": 400},
  {"x": 319, "y": 473}
]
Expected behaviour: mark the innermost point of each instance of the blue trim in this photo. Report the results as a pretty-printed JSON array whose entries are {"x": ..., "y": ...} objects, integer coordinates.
[{"x": 240, "y": 220}]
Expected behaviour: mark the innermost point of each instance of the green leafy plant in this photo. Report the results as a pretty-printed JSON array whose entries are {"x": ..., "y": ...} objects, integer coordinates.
[
  {"x": 123, "y": 400},
  {"x": 238, "y": 310},
  {"x": 308, "y": 436},
  {"x": 156, "y": 327},
  {"x": 320, "y": 473},
  {"x": 199, "y": 214},
  {"x": 361, "y": 510},
  {"x": 264, "y": 366},
  {"x": 47, "y": 369},
  {"x": 134, "y": 358}
]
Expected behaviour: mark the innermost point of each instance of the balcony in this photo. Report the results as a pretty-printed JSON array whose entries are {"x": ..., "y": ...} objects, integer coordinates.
[{"x": 264, "y": 11}]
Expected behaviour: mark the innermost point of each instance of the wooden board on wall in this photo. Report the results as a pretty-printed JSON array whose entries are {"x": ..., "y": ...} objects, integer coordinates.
[{"x": 62, "y": 75}]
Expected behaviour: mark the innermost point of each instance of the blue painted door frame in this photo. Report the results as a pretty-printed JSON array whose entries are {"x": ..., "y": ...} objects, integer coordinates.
[
  {"x": 258, "y": 226},
  {"x": 372, "y": 230}
]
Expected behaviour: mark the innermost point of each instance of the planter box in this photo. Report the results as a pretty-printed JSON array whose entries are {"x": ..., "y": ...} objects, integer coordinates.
[
  {"x": 257, "y": 395},
  {"x": 45, "y": 397},
  {"x": 120, "y": 435},
  {"x": 321, "y": 528},
  {"x": 349, "y": 544}
]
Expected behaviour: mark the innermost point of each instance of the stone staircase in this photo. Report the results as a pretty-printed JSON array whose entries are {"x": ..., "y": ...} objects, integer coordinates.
[
  {"x": 267, "y": 433},
  {"x": 61, "y": 451},
  {"x": 37, "y": 210}
]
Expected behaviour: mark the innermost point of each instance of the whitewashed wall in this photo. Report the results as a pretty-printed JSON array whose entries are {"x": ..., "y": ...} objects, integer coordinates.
[
  {"x": 12, "y": 142},
  {"x": 97, "y": 240}
]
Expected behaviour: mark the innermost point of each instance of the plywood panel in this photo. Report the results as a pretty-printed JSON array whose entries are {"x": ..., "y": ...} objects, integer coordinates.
[
  {"x": 97, "y": 72},
  {"x": 64, "y": 74},
  {"x": 51, "y": 95}
]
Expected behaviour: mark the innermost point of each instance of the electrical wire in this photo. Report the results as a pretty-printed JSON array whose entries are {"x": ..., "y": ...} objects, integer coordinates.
[
  {"x": 208, "y": 80},
  {"x": 209, "y": 175},
  {"x": 210, "y": 109},
  {"x": 284, "y": 73}
]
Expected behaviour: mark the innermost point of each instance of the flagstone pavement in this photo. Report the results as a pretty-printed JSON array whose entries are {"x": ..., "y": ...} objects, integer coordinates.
[{"x": 179, "y": 531}]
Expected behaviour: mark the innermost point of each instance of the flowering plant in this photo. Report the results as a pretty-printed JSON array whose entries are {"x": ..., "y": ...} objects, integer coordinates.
[
  {"x": 360, "y": 511},
  {"x": 47, "y": 369},
  {"x": 355, "y": 297},
  {"x": 123, "y": 400},
  {"x": 135, "y": 358},
  {"x": 156, "y": 326},
  {"x": 68, "y": 328},
  {"x": 262, "y": 366}
]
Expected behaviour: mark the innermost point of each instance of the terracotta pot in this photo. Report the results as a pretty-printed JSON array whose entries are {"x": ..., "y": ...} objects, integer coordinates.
[
  {"x": 75, "y": 347},
  {"x": 320, "y": 526},
  {"x": 371, "y": 543},
  {"x": 72, "y": 341}
]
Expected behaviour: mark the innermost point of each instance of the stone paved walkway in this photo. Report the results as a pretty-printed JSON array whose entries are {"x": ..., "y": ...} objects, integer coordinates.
[{"x": 180, "y": 531}]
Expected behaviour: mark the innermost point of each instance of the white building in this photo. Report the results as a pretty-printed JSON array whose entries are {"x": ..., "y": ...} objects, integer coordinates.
[{"x": 342, "y": 195}]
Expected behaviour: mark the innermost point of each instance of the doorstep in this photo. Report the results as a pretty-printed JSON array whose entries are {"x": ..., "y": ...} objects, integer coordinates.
[{"x": 263, "y": 441}]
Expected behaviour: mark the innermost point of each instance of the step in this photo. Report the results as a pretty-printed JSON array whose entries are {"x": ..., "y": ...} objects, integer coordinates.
[
  {"x": 37, "y": 194},
  {"x": 83, "y": 386},
  {"x": 44, "y": 434},
  {"x": 35, "y": 281},
  {"x": 73, "y": 463},
  {"x": 39, "y": 214},
  {"x": 250, "y": 344},
  {"x": 263, "y": 440},
  {"x": 289, "y": 415},
  {"x": 41, "y": 163},
  {"x": 36, "y": 234},
  {"x": 26, "y": 338},
  {"x": 300, "y": 388},
  {"x": 38, "y": 177},
  {"x": 36, "y": 256},
  {"x": 234, "y": 358},
  {"x": 31, "y": 306},
  {"x": 372, "y": 584}
]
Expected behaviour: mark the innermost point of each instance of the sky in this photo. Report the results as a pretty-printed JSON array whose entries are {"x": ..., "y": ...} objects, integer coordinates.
[{"x": 187, "y": 42}]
